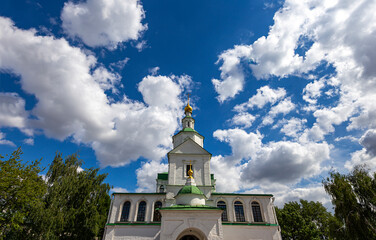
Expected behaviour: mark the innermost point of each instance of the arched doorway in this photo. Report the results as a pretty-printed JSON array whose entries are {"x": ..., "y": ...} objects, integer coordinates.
[
  {"x": 189, "y": 237},
  {"x": 191, "y": 234}
]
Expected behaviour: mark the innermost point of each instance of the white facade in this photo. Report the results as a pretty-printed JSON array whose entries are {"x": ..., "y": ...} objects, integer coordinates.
[{"x": 189, "y": 207}]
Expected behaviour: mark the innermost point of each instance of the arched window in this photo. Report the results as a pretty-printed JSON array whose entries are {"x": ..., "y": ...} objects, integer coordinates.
[
  {"x": 161, "y": 189},
  {"x": 222, "y": 205},
  {"x": 141, "y": 211},
  {"x": 157, "y": 215},
  {"x": 125, "y": 212},
  {"x": 256, "y": 210},
  {"x": 239, "y": 211}
]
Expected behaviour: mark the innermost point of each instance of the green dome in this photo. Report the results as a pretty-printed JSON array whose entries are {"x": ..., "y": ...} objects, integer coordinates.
[{"x": 190, "y": 190}]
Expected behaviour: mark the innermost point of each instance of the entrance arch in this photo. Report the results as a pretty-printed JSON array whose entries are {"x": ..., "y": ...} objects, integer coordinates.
[
  {"x": 189, "y": 237},
  {"x": 191, "y": 234}
]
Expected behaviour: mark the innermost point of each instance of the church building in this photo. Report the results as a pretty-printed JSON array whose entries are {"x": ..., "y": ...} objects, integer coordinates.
[{"x": 186, "y": 205}]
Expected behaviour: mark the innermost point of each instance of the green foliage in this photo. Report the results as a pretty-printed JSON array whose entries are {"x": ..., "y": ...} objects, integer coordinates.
[
  {"x": 72, "y": 204},
  {"x": 77, "y": 201},
  {"x": 304, "y": 220},
  {"x": 354, "y": 198},
  {"x": 21, "y": 192}
]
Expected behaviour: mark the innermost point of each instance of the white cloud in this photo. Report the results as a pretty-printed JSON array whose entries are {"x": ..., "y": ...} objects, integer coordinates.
[
  {"x": 368, "y": 141},
  {"x": 261, "y": 164},
  {"x": 244, "y": 145},
  {"x": 102, "y": 22},
  {"x": 232, "y": 76},
  {"x": 282, "y": 107},
  {"x": 72, "y": 101},
  {"x": 243, "y": 119},
  {"x": 367, "y": 155},
  {"x": 307, "y": 34},
  {"x": 286, "y": 162},
  {"x": 153, "y": 71},
  {"x": 263, "y": 96},
  {"x": 293, "y": 127},
  {"x": 119, "y": 190},
  {"x": 310, "y": 193},
  {"x": 12, "y": 112},
  {"x": 350, "y": 138},
  {"x": 147, "y": 174},
  {"x": 226, "y": 174},
  {"x": 106, "y": 80},
  {"x": 29, "y": 141},
  {"x": 4, "y": 141},
  {"x": 312, "y": 91}
]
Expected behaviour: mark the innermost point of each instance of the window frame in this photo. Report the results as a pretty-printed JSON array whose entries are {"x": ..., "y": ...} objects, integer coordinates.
[
  {"x": 260, "y": 212},
  {"x": 225, "y": 211},
  {"x": 122, "y": 209},
  {"x": 154, "y": 211},
  {"x": 138, "y": 211},
  {"x": 235, "y": 212}
]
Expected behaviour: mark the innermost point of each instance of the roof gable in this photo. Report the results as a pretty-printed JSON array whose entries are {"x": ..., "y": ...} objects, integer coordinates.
[{"x": 189, "y": 147}]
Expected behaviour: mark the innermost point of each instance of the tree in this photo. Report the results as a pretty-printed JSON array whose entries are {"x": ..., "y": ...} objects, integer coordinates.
[
  {"x": 71, "y": 204},
  {"x": 354, "y": 198},
  {"x": 77, "y": 201},
  {"x": 304, "y": 220},
  {"x": 21, "y": 192}
]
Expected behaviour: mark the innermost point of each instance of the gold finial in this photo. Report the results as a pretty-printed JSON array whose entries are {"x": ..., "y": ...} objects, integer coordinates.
[
  {"x": 190, "y": 172},
  {"x": 188, "y": 108}
]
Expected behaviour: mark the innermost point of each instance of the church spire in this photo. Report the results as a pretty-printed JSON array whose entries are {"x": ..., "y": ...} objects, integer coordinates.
[
  {"x": 188, "y": 121},
  {"x": 188, "y": 109}
]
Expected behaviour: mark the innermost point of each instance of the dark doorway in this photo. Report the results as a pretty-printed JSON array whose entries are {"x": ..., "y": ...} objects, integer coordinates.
[{"x": 189, "y": 237}]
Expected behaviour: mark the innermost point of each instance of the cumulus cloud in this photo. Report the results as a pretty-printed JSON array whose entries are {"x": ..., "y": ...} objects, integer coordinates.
[
  {"x": 244, "y": 145},
  {"x": 368, "y": 141},
  {"x": 292, "y": 127},
  {"x": 367, "y": 155},
  {"x": 282, "y": 107},
  {"x": 243, "y": 119},
  {"x": 309, "y": 34},
  {"x": 12, "y": 112},
  {"x": 284, "y": 162},
  {"x": 312, "y": 91},
  {"x": 311, "y": 193},
  {"x": 146, "y": 175},
  {"x": 104, "y": 23},
  {"x": 263, "y": 96},
  {"x": 4, "y": 141},
  {"x": 227, "y": 174},
  {"x": 232, "y": 75},
  {"x": 72, "y": 102}
]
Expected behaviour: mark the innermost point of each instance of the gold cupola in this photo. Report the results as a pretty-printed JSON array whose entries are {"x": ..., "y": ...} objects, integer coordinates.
[{"x": 188, "y": 108}]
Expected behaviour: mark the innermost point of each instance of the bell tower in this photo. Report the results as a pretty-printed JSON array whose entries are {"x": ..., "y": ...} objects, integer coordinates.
[{"x": 188, "y": 154}]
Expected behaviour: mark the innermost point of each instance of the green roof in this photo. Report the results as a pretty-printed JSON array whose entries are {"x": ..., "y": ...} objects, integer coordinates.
[
  {"x": 212, "y": 176},
  {"x": 163, "y": 176},
  {"x": 188, "y": 130},
  {"x": 242, "y": 194},
  {"x": 190, "y": 190},
  {"x": 189, "y": 207}
]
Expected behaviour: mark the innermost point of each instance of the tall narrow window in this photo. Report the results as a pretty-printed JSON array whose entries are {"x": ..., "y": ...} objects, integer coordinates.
[
  {"x": 161, "y": 189},
  {"x": 125, "y": 212},
  {"x": 239, "y": 211},
  {"x": 222, "y": 205},
  {"x": 256, "y": 210},
  {"x": 141, "y": 211},
  {"x": 157, "y": 215}
]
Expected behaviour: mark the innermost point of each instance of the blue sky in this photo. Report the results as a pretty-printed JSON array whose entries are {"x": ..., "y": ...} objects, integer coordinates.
[{"x": 282, "y": 91}]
